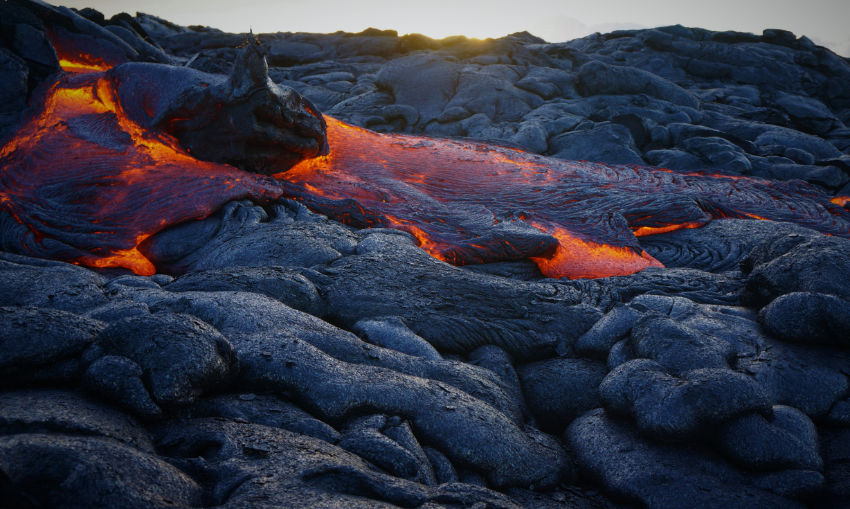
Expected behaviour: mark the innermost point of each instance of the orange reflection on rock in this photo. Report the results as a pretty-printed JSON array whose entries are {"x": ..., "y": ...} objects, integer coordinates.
[
  {"x": 131, "y": 259},
  {"x": 470, "y": 202}
]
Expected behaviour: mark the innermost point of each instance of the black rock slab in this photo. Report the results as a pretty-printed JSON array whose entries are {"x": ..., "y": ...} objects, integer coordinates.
[
  {"x": 658, "y": 475},
  {"x": 34, "y": 339},
  {"x": 181, "y": 356},
  {"x": 455, "y": 310},
  {"x": 68, "y": 412},
  {"x": 66, "y": 471}
]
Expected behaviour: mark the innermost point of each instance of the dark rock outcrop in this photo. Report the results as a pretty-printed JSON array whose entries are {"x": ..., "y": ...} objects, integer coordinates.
[
  {"x": 246, "y": 120},
  {"x": 179, "y": 355}
]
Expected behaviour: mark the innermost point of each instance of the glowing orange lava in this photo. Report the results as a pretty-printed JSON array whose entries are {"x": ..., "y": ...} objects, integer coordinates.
[
  {"x": 475, "y": 203},
  {"x": 841, "y": 201},
  {"x": 89, "y": 185},
  {"x": 75, "y": 66},
  {"x": 577, "y": 258},
  {"x": 75, "y": 56},
  {"x": 644, "y": 231}
]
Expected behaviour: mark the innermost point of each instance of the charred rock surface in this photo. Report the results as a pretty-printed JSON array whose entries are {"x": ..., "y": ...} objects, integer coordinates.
[{"x": 290, "y": 360}]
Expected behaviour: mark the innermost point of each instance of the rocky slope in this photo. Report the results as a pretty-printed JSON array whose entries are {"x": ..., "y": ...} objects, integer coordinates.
[{"x": 291, "y": 361}]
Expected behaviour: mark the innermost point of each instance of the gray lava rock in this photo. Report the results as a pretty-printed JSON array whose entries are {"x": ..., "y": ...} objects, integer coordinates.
[
  {"x": 392, "y": 333},
  {"x": 809, "y": 113},
  {"x": 422, "y": 81},
  {"x": 242, "y": 234},
  {"x": 444, "y": 471},
  {"x": 719, "y": 153},
  {"x": 559, "y": 390},
  {"x": 118, "y": 379},
  {"x": 384, "y": 452},
  {"x": 788, "y": 138},
  {"x": 802, "y": 377},
  {"x": 839, "y": 414},
  {"x": 332, "y": 373},
  {"x": 408, "y": 114},
  {"x": 13, "y": 91},
  {"x": 499, "y": 362},
  {"x": 286, "y": 285},
  {"x": 596, "y": 77},
  {"x": 494, "y": 96},
  {"x": 672, "y": 408},
  {"x": 32, "y": 339},
  {"x": 116, "y": 310},
  {"x": 547, "y": 82},
  {"x": 798, "y": 263},
  {"x": 65, "y": 471},
  {"x": 264, "y": 409},
  {"x": 719, "y": 246},
  {"x": 809, "y": 318},
  {"x": 245, "y": 120},
  {"x": 453, "y": 309},
  {"x": 676, "y": 347},
  {"x": 286, "y": 53},
  {"x": 250, "y": 462},
  {"x": 181, "y": 356},
  {"x": 787, "y": 440},
  {"x": 836, "y": 456},
  {"x": 673, "y": 159},
  {"x": 400, "y": 431},
  {"x": 660, "y": 475},
  {"x": 597, "y": 342},
  {"x": 65, "y": 412},
  {"x": 48, "y": 284},
  {"x": 610, "y": 143},
  {"x": 264, "y": 319}
]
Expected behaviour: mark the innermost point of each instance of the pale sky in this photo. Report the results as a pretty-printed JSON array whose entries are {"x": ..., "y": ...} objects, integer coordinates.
[{"x": 824, "y": 21}]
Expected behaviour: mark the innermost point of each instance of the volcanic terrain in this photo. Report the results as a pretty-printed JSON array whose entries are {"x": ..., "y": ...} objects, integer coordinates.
[{"x": 372, "y": 270}]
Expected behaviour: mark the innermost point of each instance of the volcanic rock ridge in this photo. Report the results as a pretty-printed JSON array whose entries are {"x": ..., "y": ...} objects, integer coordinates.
[{"x": 259, "y": 353}]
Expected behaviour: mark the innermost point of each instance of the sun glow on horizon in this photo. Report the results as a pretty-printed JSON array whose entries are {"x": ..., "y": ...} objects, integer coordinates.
[{"x": 821, "y": 20}]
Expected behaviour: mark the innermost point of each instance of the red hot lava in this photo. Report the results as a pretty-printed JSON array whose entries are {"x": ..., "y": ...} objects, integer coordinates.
[
  {"x": 472, "y": 203},
  {"x": 89, "y": 185},
  {"x": 85, "y": 183}
]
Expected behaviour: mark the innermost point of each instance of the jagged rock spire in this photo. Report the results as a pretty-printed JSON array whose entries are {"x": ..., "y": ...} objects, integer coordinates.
[{"x": 250, "y": 70}]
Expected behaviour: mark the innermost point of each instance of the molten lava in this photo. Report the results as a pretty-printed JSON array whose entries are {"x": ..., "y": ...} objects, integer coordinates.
[
  {"x": 88, "y": 185},
  {"x": 75, "y": 55},
  {"x": 472, "y": 203},
  {"x": 82, "y": 182}
]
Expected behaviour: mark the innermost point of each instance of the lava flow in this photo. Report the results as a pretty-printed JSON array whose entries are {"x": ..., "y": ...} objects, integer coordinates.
[
  {"x": 82, "y": 182},
  {"x": 86, "y": 184},
  {"x": 472, "y": 203}
]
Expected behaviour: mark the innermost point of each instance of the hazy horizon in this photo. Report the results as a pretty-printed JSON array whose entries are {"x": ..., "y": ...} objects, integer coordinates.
[{"x": 823, "y": 21}]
